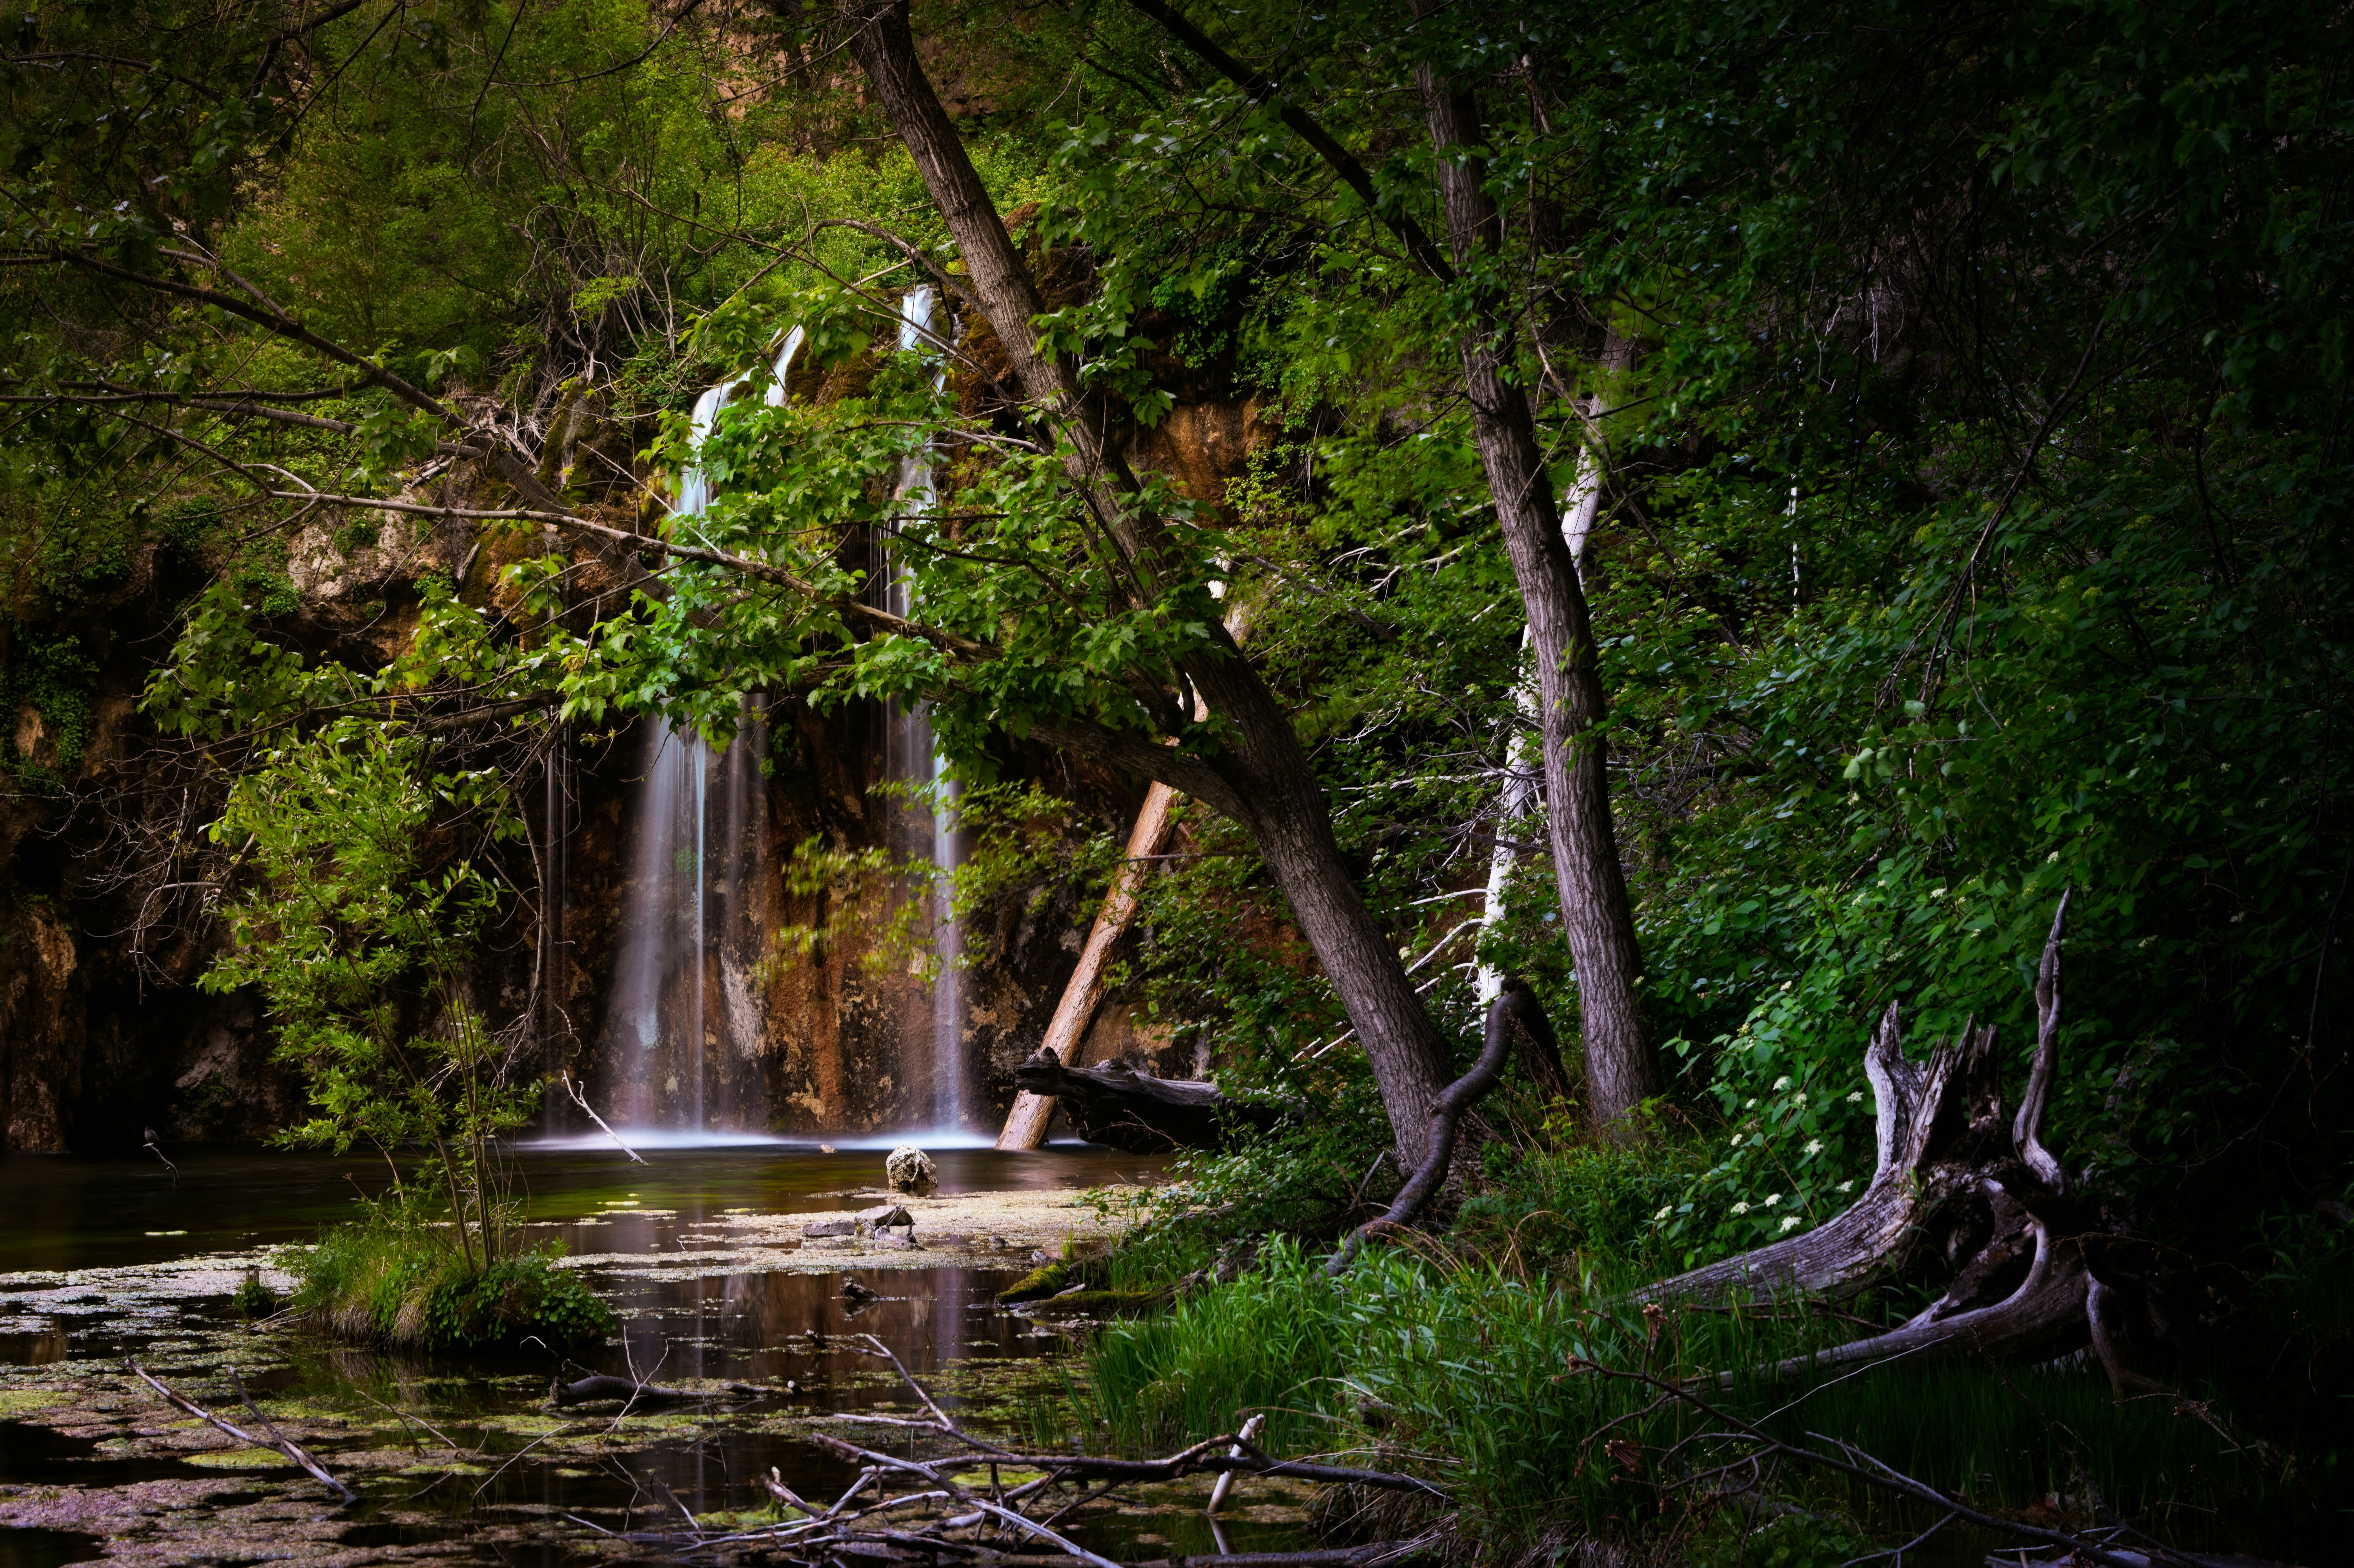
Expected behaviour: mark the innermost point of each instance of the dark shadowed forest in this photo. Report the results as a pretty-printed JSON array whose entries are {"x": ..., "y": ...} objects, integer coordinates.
[{"x": 1617, "y": 732}]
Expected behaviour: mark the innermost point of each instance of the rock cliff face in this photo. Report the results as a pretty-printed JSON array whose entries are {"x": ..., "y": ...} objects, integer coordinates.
[
  {"x": 822, "y": 1040},
  {"x": 103, "y": 1031}
]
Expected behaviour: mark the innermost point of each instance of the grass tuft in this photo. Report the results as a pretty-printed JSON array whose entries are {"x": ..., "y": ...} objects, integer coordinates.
[{"x": 387, "y": 1280}]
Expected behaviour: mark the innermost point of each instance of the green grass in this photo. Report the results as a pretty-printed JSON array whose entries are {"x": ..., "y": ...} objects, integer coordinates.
[
  {"x": 388, "y": 1280},
  {"x": 1270, "y": 1342},
  {"x": 1464, "y": 1372}
]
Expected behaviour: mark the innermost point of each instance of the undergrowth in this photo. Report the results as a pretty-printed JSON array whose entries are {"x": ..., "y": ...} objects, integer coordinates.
[
  {"x": 1479, "y": 1378},
  {"x": 391, "y": 1279}
]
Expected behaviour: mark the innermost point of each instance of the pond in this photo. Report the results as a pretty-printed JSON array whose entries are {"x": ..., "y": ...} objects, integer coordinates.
[{"x": 463, "y": 1455}]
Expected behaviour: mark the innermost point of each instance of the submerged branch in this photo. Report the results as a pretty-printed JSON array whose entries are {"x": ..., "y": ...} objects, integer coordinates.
[{"x": 277, "y": 1442}]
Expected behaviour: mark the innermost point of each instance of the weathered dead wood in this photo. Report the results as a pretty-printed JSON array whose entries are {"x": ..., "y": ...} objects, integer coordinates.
[
  {"x": 601, "y": 1388},
  {"x": 1251, "y": 1429},
  {"x": 1242, "y": 1455},
  {"x": 1118, "y": 1106},
  {"x": 842, "y": 1532},
  {"x": 1952, "y": 1180},
  {"x": 277, "y": 1441},
  {"x": 582, "y": 1101},
  {"x": 1025, "y": 1124}
]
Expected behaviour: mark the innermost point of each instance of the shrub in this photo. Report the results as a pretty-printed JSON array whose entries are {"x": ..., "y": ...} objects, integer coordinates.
[{"x": 1565, "y": 1197}]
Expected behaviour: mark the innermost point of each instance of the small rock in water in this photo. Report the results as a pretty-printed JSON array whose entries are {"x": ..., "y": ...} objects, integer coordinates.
[
  {"x": 825, "y": 1149},
  {"x": 909, "y": 1170},
  {"x": 846, "y": 1226},
  {"x": 854, "y": 1291}
]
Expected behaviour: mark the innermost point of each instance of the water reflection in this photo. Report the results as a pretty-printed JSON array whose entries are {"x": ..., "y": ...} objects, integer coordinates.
[
  {"x": 34, "y": 1347},
  {"x": 519, "y": 1468},
  {"x": 97, "y": 1210}
]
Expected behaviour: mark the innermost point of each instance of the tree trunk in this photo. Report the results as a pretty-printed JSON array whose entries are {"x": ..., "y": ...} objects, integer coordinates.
[
  {"x": 1621, "y": 1069},
  {"x": 1269, "y": 787},
  {"x": 1117, "y": 1105}
]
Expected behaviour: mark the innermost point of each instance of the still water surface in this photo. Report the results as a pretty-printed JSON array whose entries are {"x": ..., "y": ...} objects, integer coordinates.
[{"x": 62, "y": 1213}]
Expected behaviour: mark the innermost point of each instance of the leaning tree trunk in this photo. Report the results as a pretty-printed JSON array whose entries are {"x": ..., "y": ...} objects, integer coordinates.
[
  {"x": 1952, "y": 1184},
  {"x": 1269, "y": 787},
  {"x": 1621, "y": 1068}
]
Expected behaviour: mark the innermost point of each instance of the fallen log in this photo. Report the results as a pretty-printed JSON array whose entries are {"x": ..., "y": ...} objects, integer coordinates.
[
  {"x": 1241, "y": 1455},
  {"x": 1954, "y": 1182},
  {"x": 599, "y": 1388},
  {"x": 1138, "y": 1113}
]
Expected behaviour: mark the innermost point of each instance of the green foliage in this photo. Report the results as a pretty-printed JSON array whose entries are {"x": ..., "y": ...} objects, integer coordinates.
[
  {"x": 1782, "y": 1540},
  {"x": 361, "y": 954},
  {"x": 252, "y": 1298},
  {"x": 1559, "y": 1196}
]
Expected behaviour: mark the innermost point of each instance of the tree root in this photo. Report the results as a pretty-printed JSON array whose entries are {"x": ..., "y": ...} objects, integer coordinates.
[
  {"x": 2036, "y": 1274},
  {"x": 1514, "y": 1015}
]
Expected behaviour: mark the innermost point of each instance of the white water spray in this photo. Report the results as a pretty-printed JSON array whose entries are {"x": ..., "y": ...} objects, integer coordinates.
[
  {"x": 680, "y": 1065},
  {"x": 913, "y": 756}
]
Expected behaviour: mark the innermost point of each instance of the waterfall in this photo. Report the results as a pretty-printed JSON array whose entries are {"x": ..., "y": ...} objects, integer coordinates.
[
  {"x": 682, "y": 1025},
  {"x": 912, "y": 757},
  {"x": 653, "y": 1022},
  {"x": 555, "y": 899},
  {"x": 684, "y": 1022}
]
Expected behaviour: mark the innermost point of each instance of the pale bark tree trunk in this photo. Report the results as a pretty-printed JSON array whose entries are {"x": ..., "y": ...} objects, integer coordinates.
[
  {"x": 2036, "y": 1270},
  {"x": 1025, "y": 1124},
  {"x": 1621, "y": 1069},
  {"x": 1266, "y": 784}
]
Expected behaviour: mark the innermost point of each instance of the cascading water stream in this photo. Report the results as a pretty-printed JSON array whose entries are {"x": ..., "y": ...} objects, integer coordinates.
[
  {"x": 683, "y": 1000},
  {"x": 660, "y": 1042},
  {"x": 912, "y": 757}
]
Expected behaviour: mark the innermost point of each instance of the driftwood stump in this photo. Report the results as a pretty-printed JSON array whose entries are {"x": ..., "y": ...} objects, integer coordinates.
[{"x": 1955, "y": 1185}]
